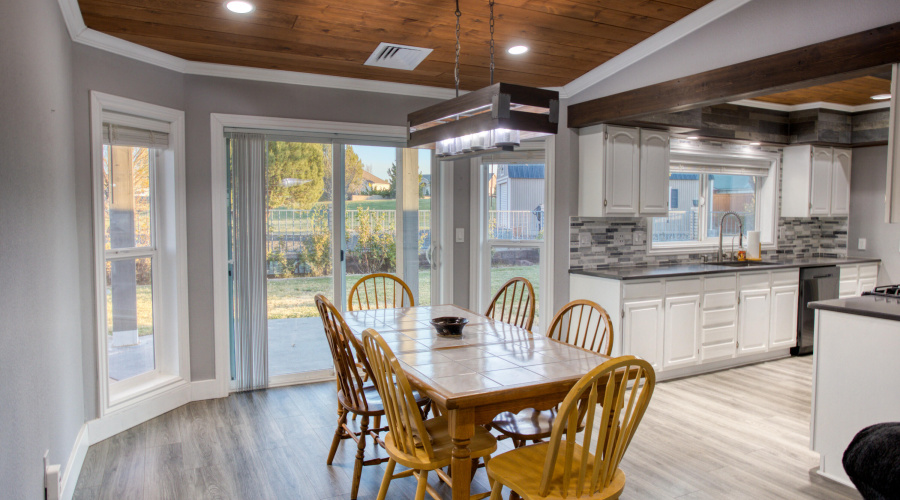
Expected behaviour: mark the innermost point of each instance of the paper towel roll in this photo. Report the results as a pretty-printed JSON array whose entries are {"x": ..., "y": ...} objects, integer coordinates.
[{"x": 753, "y": 248}]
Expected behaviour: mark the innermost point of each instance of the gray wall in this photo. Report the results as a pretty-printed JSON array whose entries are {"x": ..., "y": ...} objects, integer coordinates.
[
  {"x": 462, "y": 210},
  {"x": 111, "y": 74},
  {"x": 867, "y": 183},
  {"x": 41, "y": 399}
]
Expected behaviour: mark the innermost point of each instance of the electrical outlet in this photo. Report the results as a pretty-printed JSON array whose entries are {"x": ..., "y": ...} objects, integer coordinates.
[
  {"x": 584, "y": 239},
  {"x": 862, "y": 244},
  {"x": 621, "y": 239},
  {"x": 460, "y": 235}
]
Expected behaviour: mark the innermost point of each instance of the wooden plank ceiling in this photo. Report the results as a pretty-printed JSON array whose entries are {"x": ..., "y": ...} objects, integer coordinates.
[
  {"x": 852, "y": 92},
  {"x": 567, "y": 38}
]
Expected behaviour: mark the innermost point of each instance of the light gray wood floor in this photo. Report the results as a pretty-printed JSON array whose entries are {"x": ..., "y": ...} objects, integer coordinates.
[{"x": 736, "y": 434}]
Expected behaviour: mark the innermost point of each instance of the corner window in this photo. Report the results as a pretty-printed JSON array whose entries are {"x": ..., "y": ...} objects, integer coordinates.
[
  {"x": 703, "y": 187},
  {"x": 140, "y": 252}
]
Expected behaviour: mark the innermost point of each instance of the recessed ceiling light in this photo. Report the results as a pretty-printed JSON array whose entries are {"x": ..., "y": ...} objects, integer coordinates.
[
  {"x": 692, "y": 137},
  {"x": 239, "y": 6},
  {"x": 518, "y": 49},
  {"x": 755, "y": 143},
  {"x": 881, "y": 97}
]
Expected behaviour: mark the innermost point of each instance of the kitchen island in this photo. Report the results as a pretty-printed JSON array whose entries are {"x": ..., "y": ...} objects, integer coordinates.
[{"x": 856, "y": 374}]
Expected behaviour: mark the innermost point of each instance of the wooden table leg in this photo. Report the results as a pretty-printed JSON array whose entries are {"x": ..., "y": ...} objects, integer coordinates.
[{"x": 462, "y": 428}]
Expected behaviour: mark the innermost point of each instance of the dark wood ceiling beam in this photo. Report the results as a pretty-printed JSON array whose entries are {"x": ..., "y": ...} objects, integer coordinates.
[{"x": 816, "y": 64}]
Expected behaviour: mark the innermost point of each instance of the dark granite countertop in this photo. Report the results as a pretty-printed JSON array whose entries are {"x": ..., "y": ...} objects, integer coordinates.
[
  {"x": 867, "y": 305},
  {"x": 700, "y": 268}
]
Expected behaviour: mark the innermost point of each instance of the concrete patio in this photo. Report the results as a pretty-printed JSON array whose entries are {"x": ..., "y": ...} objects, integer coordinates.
[{"x": 295, "y": 345}]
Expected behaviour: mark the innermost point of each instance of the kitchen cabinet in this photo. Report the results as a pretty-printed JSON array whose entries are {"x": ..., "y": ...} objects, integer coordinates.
[
  {"x": 643, "y": 319},
  {"x": 818, "y": 179},
  {"x": 682, "y": 314},
  {"x": 783, "y": 329},
  {"x": 629, "y": 169},
  {"x": 856, "y": 279},
  {"x": 690, "y": 325}
]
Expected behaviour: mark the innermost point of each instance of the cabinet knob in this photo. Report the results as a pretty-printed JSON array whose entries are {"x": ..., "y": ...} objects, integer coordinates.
[{"x": 604, "y": 203}]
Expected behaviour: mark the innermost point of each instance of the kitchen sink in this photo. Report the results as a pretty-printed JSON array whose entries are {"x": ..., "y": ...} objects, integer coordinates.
[{"x": 743, "y": 263}]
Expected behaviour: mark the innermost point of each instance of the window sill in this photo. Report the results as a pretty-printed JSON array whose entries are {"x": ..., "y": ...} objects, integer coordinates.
[
  {"x": 679, "y": 249},
  {"x": 134, "y": 394}
]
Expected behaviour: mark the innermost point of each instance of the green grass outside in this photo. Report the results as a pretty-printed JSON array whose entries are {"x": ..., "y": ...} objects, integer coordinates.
[
  {"x": 424, "y": 204},
  {"x": 144, "y": 310}
]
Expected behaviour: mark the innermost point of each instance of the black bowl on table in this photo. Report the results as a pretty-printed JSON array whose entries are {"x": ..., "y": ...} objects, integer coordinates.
[{"x": 449, "y": 326}]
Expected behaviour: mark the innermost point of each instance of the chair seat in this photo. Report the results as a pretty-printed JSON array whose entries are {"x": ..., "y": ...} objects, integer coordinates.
[
  {"x": 374, "y": 404},
  {"x": 522, "y": 469},
  {"x": 482, "y": 444},
  {"x": 527, "y": 424}
]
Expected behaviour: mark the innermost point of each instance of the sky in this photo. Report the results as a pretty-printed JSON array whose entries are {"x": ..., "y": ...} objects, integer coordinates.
[{"x": 381, "y": 158}]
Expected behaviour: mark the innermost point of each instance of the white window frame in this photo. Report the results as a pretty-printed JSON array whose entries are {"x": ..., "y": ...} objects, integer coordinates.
[
  {"x": 479, "y": 279},
  {"x": 736, "y": 161},
  {"x": 171, "y": 374}
]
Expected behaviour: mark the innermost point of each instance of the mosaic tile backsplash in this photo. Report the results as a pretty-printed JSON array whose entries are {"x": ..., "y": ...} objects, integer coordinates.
[{"x": 612, "y": 242}]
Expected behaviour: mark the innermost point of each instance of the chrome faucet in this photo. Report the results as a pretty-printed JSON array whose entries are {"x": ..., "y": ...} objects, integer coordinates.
[{"x": 720, "y": 254}]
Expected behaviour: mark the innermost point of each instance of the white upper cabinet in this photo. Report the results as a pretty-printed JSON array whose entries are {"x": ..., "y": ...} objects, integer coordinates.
[
  {"x": 840, "y": 182},
  {"x": 818, "y": 180},
  {"x": 654, "y": 187},
  {"x": 623, "y": 171}
]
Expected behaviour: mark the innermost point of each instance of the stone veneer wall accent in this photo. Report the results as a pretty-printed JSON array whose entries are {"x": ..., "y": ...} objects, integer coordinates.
[{"x": 612, "y": 242}]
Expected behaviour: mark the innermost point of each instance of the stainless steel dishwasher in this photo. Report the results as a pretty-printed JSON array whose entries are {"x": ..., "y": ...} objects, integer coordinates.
[{"x": 816, "y": 283}]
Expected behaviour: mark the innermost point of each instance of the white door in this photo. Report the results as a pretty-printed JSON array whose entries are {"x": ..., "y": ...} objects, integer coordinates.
[
  {"x": 783, "y": 331},
  {"x": 643, "y": 328},
  {"x": 753, "y": 321},
  {"x": 682, "y": 321},
  {"x": 654, "y": 173},
  {"x": 840, "y": 182},
  {"x": 622, "y": 170},
  {"x": 820, "y": 184}
]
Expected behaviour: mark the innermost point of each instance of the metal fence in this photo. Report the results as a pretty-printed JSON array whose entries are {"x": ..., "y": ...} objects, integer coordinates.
[
  {"x": 685, "y": 225},
  {"x": 516, "y": 224}
]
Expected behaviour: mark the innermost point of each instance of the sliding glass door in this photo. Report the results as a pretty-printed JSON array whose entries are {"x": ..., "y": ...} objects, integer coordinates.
[{"x": 336, "y": 211}]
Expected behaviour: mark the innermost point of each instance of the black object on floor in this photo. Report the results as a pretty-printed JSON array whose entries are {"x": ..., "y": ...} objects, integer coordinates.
[{"x": 873, "y": 461}]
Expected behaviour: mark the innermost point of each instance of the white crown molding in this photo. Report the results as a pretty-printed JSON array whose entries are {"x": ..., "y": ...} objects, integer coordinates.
[
  {"x": 314, "y": 80},
  {"x": 812, "y": 105},
  {"x": 687, "y": 25},
  {"x": 72, "y": 16}
]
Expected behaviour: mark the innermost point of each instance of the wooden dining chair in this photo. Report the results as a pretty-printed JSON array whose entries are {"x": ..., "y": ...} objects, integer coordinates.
[
  {"x": 355, "y": 396},
  {"x": 561, "y": 468},
  {"x": 379, "y": 291},
  {"x": 581, "y": 323},
  {"x": 420, "y": 445},
  {"x": 514, "y": 303}
]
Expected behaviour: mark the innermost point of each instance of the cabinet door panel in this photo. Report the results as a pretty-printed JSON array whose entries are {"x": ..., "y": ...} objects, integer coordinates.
[
  {"x": 622, "y": 171},
  {"x": 654, "y": 173},
  {"x": 680, "y": 345},
  {"x": 754, "y": 321},
  {"x": 784, "y": 316},
  {"x": 820, "y": 184},
  {"x": 840, "y": 182},
  {"x": 865, "y": 285},
  {"x": 643, "y": 329}
]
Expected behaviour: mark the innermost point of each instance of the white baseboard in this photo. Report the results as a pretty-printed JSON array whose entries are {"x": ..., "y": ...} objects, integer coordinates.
[
  {"x": 73, "y": 466},
  {"x": 114, "y": 423},
  {"x": 207, "y": 389},
  {"x": 714, "y": 366}
]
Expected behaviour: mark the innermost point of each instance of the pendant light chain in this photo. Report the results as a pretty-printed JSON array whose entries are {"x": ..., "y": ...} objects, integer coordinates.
[
  {"x": 491, "y": 3},
  {"x": 456, "y": 67}
]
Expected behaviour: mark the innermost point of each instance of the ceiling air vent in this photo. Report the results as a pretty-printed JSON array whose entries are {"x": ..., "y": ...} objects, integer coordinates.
[{"x": 394, "y": 56}]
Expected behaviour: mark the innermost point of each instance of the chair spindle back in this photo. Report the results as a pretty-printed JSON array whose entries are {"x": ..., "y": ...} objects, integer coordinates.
[
  {"x": 514, "y": 304},
  {"x": 403, "y": 416},
  {"x": 622, "y": 408},
  {"x": 343, "y": 345},
  {"x": 585, "y": 324},
  {"x": 379, "y": 291}
]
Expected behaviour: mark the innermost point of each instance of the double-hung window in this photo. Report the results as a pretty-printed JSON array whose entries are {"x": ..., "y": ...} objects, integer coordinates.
[
  {"x": 138, "y": 159},
  {"x": 706, "y": 184}
]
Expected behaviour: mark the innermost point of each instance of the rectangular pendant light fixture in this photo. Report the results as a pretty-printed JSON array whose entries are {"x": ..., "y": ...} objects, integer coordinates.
[{"x": 491, "y": 118}]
